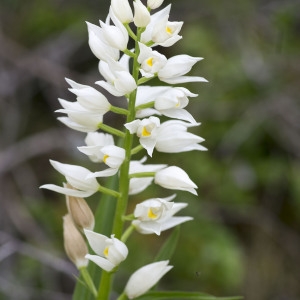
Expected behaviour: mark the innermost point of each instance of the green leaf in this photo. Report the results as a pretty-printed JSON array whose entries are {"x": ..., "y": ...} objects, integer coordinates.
[
  {"x": 104, "y": 217},
  {"x": 168, "y": 248},
  {"x": 183, "y": 295}
]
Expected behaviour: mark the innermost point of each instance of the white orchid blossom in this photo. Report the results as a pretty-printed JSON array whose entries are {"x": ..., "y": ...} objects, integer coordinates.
[
  {"x": 141, "y": 14},
  {"x": 173, "y": 102},
  {"x": 110, "y": 251},
  {"x": 145, "y": 278},
  {"x": 172, "y": 137},
  {"x": 137, "y": 185},
  {"x": 98, "y": 45},
  {"x": 115, "y": 36},
  {"x": 119, "y": 81},
  {"x": 176, "y": 67},
  {"x": 89, "y": 98},
  {"x": 122, "y": 10},
  {"x": 111, "y": 155},
  {"x": 146, "y": 130},
  {"x": 175, "y": 178},
  {"x": 160, "y": 30},
  {"x": 76, "y": 176},
  {"x": 97, "y": 140},
  {"x": 153, "y": 4},
  {"x": 79, "y": 118},
  {"x": 151, "y": 61},
  {"x": 100, "y": 148},
  {"x": 157, "y": 214},
  {"x": 168, "y": 101}
]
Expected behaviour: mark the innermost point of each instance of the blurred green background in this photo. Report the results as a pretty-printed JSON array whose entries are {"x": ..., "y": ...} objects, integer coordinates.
[{"x": 244, "y": 239}]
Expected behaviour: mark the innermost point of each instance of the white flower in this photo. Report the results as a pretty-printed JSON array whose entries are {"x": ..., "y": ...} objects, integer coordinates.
[
  {"x": 172, "y": 137},
  {"x": 172, "y": 104},
  {"x": 137, "y": 185},
  {"x": 110, "y": 251},
  {"x": 146, "y": 94},
  {"x": 100, "y": 148},
  {"x": 175, "y": 178},
  {"x": 176, "y": 67},
  {"x": 119, "y": 81},
  {"x": 100, "y": 49},
  {"x": 145, "y": 278},
  {"x": 141, "y": 14},
  {"x": 115, "y": 36},
  {"x": 154, "y": 3},
  {"x": 79, "y": 118},
  {"x": 89, "y": 98},
  {"x": 161, "y": 31},
  {"x": 156, "y": 215},
  {"x": 168, "y": 101},
  {"x": 96, "y": 141},
  {"x": 122, "y": 10},
  {"x": 151, "y": 61},
  {"x": 76, "y": 177},
  {"x": 146, "y": 130},
  {"x": 111, "y": 155}
]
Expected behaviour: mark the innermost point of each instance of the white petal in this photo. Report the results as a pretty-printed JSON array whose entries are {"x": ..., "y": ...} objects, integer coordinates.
[
  {"x": 110, "y": 88},
  {"x": 183, "y": 79},
  {"x": 97, "y": 241},
  {"x": 145, "y": 278},
  {"x": 73, "y": 125},
  {"x": 174, "y": 221},
  {"x": 105, "y": 173},
  {"x": 103, "y": 263},
  {"x": 66, "y": 191}
]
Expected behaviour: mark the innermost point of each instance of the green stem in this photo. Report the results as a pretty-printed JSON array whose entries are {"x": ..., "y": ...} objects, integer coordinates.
[
  {"x": 142, "y": 174},
  {"x": 130, "y": 32},
  {"x": 127, "y": 233},
  {"x": 108, "y": 191},
  {"x": 111, "y": 130},
  {"x": 88, "y": 280},
  {"x": 146, "y": 105},
  {"x": 105, "y": 286},
  {"x": 129, "y": 53},
  {"x": 144, "y": 80},
  {"x": 137, "y": 149},
  {"x": 119, "y": 110}
]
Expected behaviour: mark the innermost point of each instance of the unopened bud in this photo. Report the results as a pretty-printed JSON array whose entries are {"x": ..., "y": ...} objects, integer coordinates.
[
  {"x": 154, "y": 3},
  {"x": 80, "y": 211},
  {"x": 74, "y": 243}
]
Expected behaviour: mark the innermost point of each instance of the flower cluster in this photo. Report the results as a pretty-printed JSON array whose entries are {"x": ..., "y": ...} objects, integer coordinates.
[{"x": 125, "y": 74}]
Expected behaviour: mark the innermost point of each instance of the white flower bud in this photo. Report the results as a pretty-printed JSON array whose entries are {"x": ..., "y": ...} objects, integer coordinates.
[
  {"x": 122, "y": 10},
  {"x": 154, "y": 3},
  {"x": 175, "y": 178},
  {"x": 145, "y": 278},
  {"x": 141, "y": 14}
]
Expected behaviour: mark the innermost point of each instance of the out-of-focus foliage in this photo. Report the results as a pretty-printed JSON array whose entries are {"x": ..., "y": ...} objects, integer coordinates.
[{"x": 244, "y": 239}]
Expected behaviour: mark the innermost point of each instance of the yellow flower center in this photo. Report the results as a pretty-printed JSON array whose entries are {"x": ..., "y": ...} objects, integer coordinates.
[
  {"x": 105, "y": 252},
  {"x": 105, "y": 157},
  {"x": 150, "y": 61},
  {"x": 151, "y": 214},
  {"x": 145, "y": 132},
  {"x": 169, "y": 30}
]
